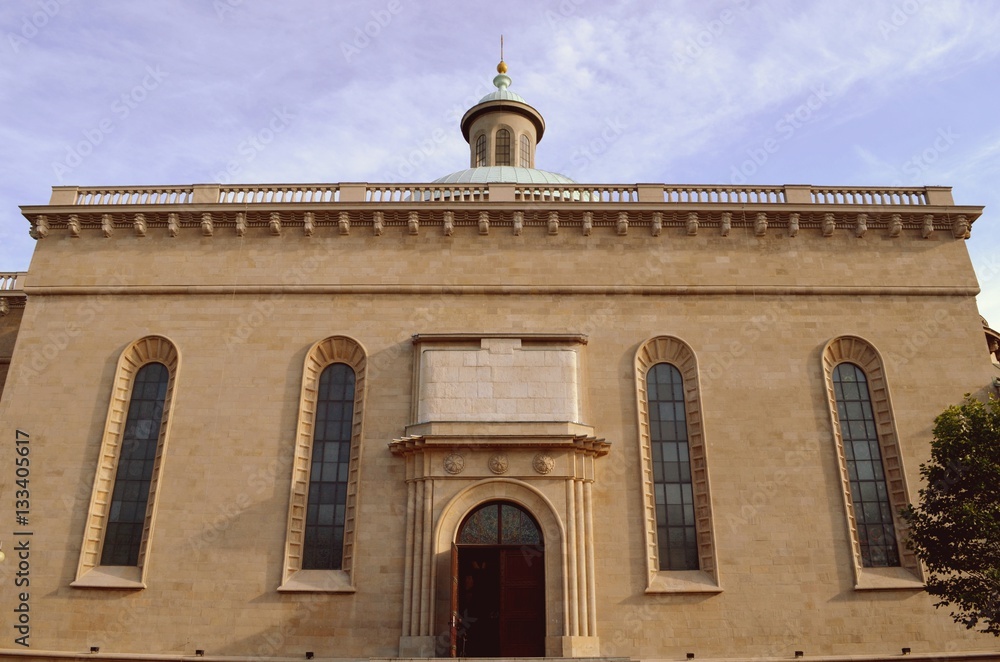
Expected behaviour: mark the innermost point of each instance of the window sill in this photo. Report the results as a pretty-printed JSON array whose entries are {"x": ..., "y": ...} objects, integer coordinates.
[
  {"x": 885, "y": 579},
  {"x": 318, "y": 581},
  {"x": 683, "y": 581},
  {"x": 111, "y": 576}
]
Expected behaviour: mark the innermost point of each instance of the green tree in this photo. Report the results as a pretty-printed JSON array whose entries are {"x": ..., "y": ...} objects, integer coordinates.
[{"x": 955, "y": 529}]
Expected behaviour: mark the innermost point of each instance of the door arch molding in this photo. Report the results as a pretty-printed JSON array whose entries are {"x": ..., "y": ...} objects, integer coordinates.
[{"x": 553, "y": 533}]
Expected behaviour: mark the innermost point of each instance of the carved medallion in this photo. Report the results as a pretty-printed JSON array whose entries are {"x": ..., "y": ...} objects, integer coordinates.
[
  {"x": 543, "y": 463},
  {"x": 498, "y": 464},
  {"x": 454, "y": 463}
]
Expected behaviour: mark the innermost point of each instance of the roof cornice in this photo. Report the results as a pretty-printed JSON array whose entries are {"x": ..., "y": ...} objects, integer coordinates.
[{"x": 918, "y": 211}]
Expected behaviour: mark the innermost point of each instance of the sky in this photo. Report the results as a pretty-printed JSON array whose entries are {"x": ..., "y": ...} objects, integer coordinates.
[{"x": 825, "y": 92}]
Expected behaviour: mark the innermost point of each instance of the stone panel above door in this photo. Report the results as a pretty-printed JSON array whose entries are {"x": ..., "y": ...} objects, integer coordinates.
[{"x": 491, "y": 378}]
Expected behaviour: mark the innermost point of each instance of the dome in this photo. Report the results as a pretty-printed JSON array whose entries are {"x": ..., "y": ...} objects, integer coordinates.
[
  {"x": 503, "y": 131},
  {"x": 503, "y": 175},
  {"x": 503, "y": 101},
  {"x": 503, "y": 94}
]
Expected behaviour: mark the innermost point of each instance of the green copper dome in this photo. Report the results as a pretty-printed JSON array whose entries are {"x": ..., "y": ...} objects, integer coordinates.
[{"x": 503, "y": 175}]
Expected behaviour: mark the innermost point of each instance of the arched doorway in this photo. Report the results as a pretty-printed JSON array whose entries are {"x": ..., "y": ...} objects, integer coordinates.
[{"x": 498, "y": 570}]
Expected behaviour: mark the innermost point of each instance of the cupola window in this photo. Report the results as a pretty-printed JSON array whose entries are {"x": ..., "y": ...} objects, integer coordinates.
[
  {"x": 503, "y": 148},
  {"x": 481, "y": 152}
]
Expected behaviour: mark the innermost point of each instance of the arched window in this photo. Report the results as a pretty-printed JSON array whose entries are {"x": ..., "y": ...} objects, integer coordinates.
[
  {"x": 869, "y": 493},
  {"x": 680, "y": 544},
  {"x": 331, "y": 456},
  {"x": 675, "y": 523},
  {"x": 481, "y": 151},
  {"x": 871, "y": 467},
  {"x": 525, "y": 152},
  {"x": 503, "y": 148},
  {"x": 319, "y": 542},
  {"x": 121, "y": 517},
  {"x": 130, "y": 496},
  {"x": 499, "y": 523}
]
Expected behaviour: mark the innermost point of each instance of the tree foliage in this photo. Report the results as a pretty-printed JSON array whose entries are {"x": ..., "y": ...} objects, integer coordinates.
[{"x": 955, "y": 529}]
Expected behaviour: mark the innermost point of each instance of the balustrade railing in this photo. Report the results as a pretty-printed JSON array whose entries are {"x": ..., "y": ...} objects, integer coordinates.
[
  {"x": 575, "y": 193},
  {"x": 868, "y": 196},
  {"x": 134, "y": 195},
  {"x": 253, "y": 194},
  {"x": 11, "y": 281},
  {"x": 427, "y": 193},
  {"x": 728, "y": 194},
  {"x": 267, "y": 193}
]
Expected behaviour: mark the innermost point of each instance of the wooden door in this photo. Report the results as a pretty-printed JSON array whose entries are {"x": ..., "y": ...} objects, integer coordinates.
[
  {"x": 522, "y": 603},
  {"x": 453, "y": 619}
]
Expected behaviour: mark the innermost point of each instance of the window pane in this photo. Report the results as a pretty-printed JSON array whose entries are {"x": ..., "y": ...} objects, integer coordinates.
[
  {"x": 324, "y": 532},
  {"x": 872, "y": 510},
  {"x": 481, "y": 151},
  {"x": 499, "y": 523},
  {"x": 503, "y": 148},
  {"x": 671, "y": 469},
  {"x": 130, "y": 496}
]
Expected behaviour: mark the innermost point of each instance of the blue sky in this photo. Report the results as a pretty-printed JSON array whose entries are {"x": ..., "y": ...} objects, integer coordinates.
[{"x": 845, "y": 92}]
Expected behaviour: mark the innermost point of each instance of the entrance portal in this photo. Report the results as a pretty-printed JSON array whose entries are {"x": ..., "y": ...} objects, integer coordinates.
[{"x": 499, "y": 572}]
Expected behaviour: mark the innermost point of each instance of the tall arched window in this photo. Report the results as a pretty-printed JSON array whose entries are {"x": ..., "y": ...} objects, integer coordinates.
[
  {"x": 869, "y": 493},
  {"x": 320, "y": 540},
  {"x": 675, "y": 523},
  {"x": 481, "y": 151},
  {"x": 503, "y": 148},
  {"x": 677, "y": 505},
  {"x": 871, "y": 466},
  {"x": 122, "y": 511},
  {"x": 130, "y": 496},
  {"x": 525, "y": 152},
  {"x": 331, "y": 456}
]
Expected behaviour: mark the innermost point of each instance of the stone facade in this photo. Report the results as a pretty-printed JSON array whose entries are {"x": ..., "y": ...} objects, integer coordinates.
[{"x": 500, "y": 337}]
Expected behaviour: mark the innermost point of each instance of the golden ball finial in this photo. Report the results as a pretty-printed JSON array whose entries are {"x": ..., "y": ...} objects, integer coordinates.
[{"x": 502, "y": 67}]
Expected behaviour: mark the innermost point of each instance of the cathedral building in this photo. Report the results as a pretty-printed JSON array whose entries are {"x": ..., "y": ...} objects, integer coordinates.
[{"x": 501, "y": 414}]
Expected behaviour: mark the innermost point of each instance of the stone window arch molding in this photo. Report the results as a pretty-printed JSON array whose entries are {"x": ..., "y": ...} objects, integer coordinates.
[
  {"x": 676, "y": 352},
  {"x": 90, "y": 573},
  {"x": 334, "y": 349},
  {"x": 863, "y": 354}
]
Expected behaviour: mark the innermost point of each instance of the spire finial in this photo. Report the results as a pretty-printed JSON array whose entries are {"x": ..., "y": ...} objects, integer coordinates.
[{"x": 502, "y": 67}]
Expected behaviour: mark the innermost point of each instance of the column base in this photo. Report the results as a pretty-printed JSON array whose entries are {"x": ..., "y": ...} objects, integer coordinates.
[
  {"x": 417, "y": 647},
  {"x": 574, "y": 646}
]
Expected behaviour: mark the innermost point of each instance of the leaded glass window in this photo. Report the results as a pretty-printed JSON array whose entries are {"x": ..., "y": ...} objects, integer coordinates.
[
  {"x": 869, "y": 494},
  {"x": 525, "y": 152},
  {"x": 499, "y": 523},
  {"x": 331, "y": 455},
  {"x": 676, "y": 533},
  {"x": 503, "y": 148},
  {"x": 130, "y": 496},
  {"x": 481, "y": 151}
]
